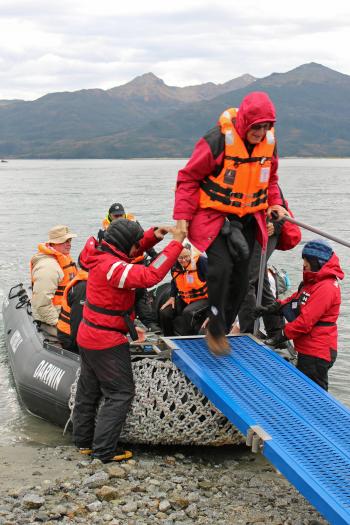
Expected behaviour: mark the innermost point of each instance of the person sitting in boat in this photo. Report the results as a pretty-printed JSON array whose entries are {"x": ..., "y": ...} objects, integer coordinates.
[
  {"x": 102, "y": 335},
  {"x": 312, "y": 312},
  {"x": 52, "y": 268},
  {"x": 116, "y": 211},
  {"x": 71, "y": 312},
  {"x": 144, "y": 310},
  {"x": 186, "y": 309}
]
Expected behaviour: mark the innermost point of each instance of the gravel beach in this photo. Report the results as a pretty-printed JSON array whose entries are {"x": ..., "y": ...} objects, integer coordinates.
[{"x": 166, "y": 485}]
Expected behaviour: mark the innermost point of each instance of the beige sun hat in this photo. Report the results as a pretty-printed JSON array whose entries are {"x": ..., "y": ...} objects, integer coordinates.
[{"x": 59, "y": 234}]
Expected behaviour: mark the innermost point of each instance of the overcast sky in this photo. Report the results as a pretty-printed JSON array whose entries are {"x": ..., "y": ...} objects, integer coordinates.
[{"x": 66, "y": 45}]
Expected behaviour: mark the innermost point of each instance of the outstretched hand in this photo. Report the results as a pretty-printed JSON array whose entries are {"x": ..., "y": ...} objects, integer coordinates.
[
  {"x": 179, "y": 234},
  {"x": 161, "y": 231}
]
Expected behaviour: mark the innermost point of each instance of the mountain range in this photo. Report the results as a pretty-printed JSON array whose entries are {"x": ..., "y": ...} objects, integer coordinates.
[{"x": 147, "y": 118}]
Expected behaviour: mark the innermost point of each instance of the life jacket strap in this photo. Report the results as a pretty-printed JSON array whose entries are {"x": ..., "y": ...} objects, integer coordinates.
[
  {"x": 226, "y": 196},
  {"x": 106, "y": 311},
  {"x": 248, "y": 160},
  {"x": 125, "y": 314}
]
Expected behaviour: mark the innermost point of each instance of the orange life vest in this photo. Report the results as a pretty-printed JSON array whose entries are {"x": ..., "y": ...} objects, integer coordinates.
[
  {"x": 188, "y": 283},
  {"x": 67, "y": 265},
  {"x": 106, "y": 221},
  {"x": 241, "y": 186},
  {"x": 63, "y": 324}
]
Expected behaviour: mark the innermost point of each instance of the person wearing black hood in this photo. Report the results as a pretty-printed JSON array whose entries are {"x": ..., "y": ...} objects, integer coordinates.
[
  {"x": 102, "y": 337},
  {"x": 312, "y": 312},
  {"x": 143, "y": 307}
]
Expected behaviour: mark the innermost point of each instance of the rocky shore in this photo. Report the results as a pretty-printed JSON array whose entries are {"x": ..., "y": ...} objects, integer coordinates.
[{"x": 168, "y": 486}]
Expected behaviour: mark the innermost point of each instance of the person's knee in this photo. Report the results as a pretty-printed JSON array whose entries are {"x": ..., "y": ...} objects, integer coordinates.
[{"x": 167, "y": 313}]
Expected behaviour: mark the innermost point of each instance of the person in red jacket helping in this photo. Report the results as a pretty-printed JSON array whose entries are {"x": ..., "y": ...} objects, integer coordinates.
[
  {"x": 312, "y": 312},
  {"x": 102, "y": 337},
  {"x": 223, "y": 196}
]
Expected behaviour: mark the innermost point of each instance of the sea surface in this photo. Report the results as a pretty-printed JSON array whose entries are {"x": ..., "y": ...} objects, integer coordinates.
[{"x": 37, "y": 194}]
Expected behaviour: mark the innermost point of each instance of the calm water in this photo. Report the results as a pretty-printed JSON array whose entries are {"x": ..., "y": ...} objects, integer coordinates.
[{"x": 36, "y": 195}]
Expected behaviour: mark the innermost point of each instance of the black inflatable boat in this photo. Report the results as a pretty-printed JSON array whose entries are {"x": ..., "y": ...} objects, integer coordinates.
[{"x": 167, "y": 408}]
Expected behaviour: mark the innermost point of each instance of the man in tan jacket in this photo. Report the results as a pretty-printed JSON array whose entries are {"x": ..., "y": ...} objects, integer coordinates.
[{"x": 51, "y": 270}]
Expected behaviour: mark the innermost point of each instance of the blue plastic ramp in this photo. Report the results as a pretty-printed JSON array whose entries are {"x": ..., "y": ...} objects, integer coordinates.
[{"x": 302, "y": 429}]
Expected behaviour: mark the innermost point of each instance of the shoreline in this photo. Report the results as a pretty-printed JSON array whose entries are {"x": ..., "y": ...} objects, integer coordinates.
[{"x": 165, "y": 485}]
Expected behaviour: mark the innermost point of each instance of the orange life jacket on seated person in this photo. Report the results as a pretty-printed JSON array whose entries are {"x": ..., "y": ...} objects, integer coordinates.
[
  {"x": 241, "y": 186},
  {"x": 188, "y": 283},
  {"x": 63, "y": 324},
  {"x": 68, "y": 267},
  {"x": 106, "y": 221}
]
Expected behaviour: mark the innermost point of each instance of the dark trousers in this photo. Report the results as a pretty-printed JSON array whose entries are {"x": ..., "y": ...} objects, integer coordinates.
[
  {"x": 143, "y": 307},
  {"x": 108, "y": 374},
  {"x": 184, "y": 319},
  {"x": 316, "y": 368},
  {"x": 273, "y": 323},
  {"x": 227, "y": 279}
]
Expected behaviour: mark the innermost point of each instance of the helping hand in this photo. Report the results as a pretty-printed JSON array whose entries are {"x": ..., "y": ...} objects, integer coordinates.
[
  {"x": 182, "y": 225},
  {"x": 179, "y": 234},
  {"x": 272, "y": 308},
  {"x": 161, "y": 231}
]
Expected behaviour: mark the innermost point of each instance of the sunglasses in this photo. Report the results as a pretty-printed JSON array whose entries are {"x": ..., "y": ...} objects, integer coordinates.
[{"x": 262, "y": 125}]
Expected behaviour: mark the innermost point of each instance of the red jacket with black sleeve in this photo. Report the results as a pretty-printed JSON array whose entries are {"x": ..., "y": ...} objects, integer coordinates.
[
  {"x": 111, "y": 289},
  {"x": 314, "y": 330}
]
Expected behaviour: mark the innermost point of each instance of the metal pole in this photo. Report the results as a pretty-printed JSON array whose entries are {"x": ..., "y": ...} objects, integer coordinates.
[
  {"x": 316, "y": 230},
  {"x": 259, "y": 293}
]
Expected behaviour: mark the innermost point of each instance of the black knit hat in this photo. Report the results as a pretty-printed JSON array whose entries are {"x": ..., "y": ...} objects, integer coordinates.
[{"x": 123, "y": 233}]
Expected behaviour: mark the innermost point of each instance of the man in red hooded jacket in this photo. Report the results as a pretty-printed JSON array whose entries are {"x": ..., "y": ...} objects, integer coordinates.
[
  {"x": 312, "y": 312},
  {"x": 222, "y": 197},
  {"x": 102, "y": 337}
]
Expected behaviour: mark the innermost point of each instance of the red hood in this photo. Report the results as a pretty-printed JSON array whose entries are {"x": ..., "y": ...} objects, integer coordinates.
[
  {"x": 255, "y": 107},
  {"x": 330, "y": 269},
  {"x": 90, "y": 255}
]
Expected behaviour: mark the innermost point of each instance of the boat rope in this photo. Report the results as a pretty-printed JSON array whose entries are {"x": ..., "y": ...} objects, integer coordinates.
[
  {"x": 168, "y": 409},
  {"x": 71, "y": 400}
]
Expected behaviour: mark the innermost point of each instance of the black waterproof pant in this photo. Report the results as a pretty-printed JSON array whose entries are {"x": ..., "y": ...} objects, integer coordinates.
[
  {"x": 228, "y": 279},
  {"x": 316, "y": 368},
  {"x": 273, "y": 322},
  {"x": 104, "y": 374},
  {"x": 184, "y": 319},
  {"x": 143, "y": 307}
]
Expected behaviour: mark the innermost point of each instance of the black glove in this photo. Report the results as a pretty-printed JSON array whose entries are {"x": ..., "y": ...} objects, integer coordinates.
[
  {"x": 236, "y": 242},
  {"x": 100, "y": 235},
  {"x": 277, "y": 341},
  {"x": 273, "y": 308}
]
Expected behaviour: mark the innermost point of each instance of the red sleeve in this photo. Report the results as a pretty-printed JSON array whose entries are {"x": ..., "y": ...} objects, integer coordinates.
[
  {"x": 130, "y": 276},
  {"x": 200, "y": 165},
  {"x": 274, "y": 195},
  {"x": 148, "y": 241},
  {"x": 319, "y": 302}
]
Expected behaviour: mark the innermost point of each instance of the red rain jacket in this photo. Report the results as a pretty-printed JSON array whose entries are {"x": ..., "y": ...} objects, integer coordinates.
[
  {"x": 321, "y": 305},
  {"x": 207, "y": 157},
  {"x": 111, "y": 285}
]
